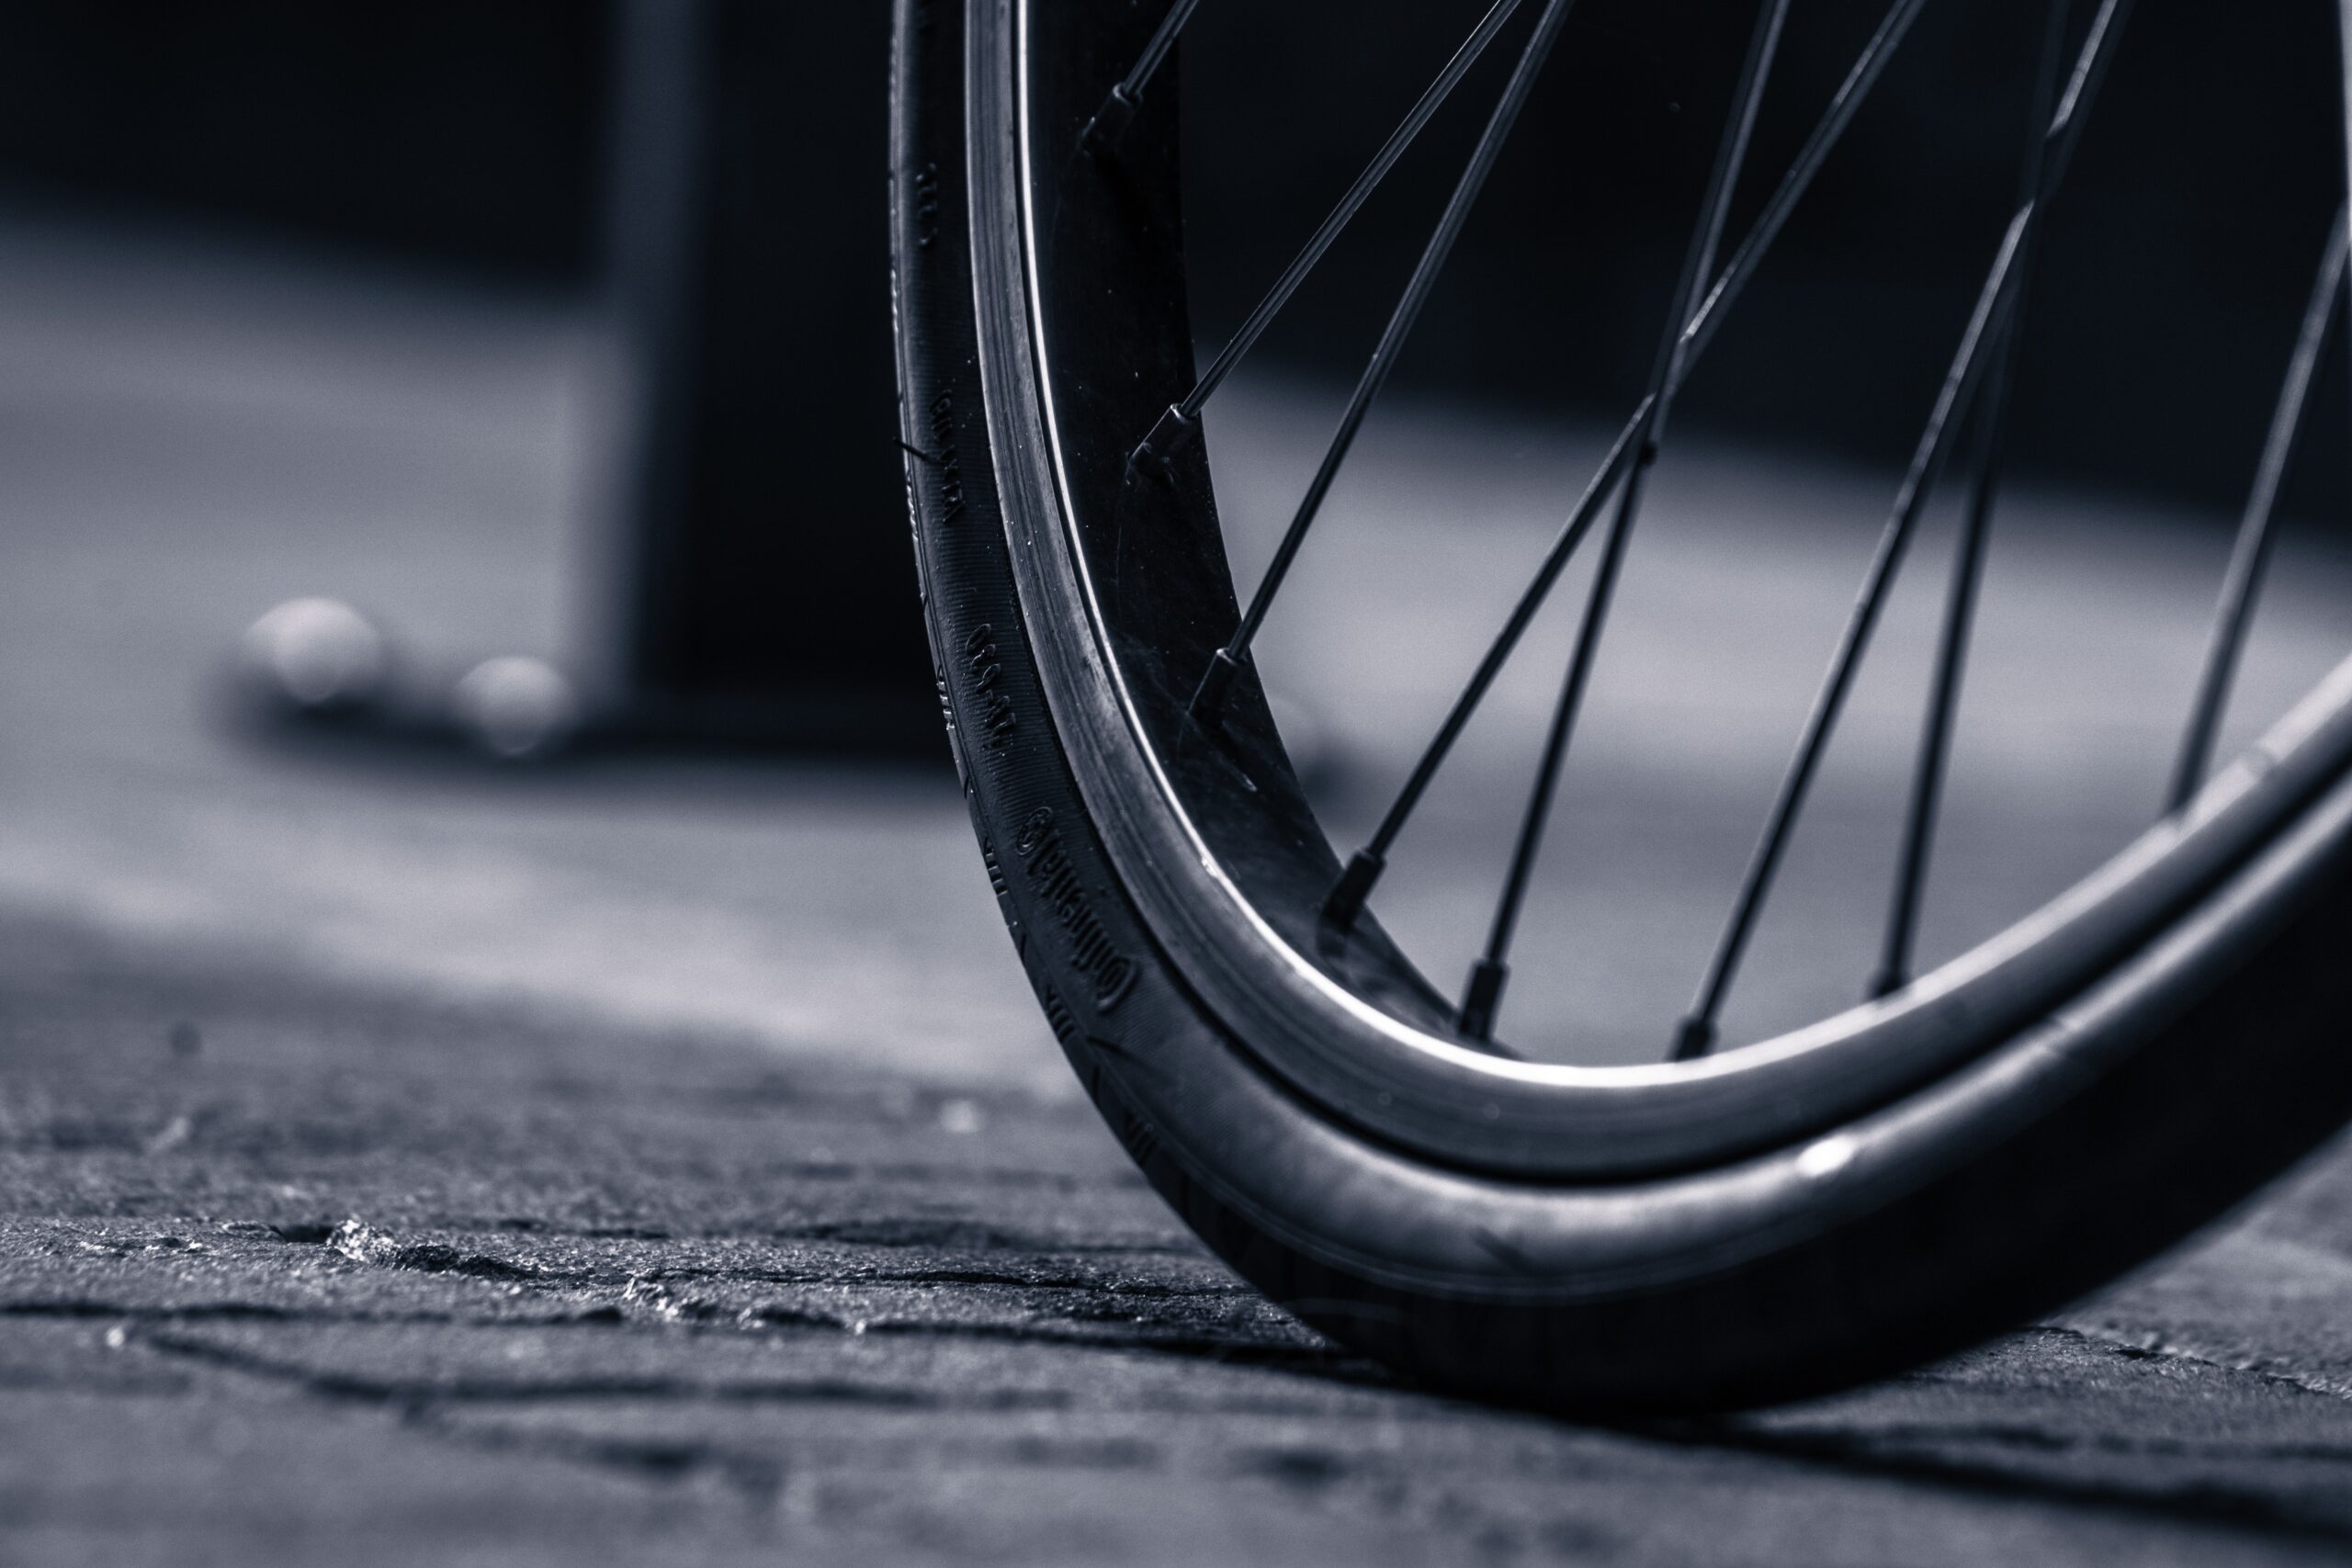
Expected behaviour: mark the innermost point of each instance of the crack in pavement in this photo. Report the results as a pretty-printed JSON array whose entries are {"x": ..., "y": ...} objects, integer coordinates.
[
  {"x": 401, "y": 1394},
  {"x": 1883, "y": 1452},
  {"x": 2157, "y": 1348},
  {"x": 1330, "y": 1364}
]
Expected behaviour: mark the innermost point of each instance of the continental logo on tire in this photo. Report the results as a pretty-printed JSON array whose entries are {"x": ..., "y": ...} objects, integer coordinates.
[
  {"x": 993, "y": 713},
  {"x": 1056, "y": 881}
]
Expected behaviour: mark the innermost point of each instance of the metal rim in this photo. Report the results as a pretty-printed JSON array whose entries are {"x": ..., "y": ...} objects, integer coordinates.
[{"x": 1202, "y": 871}]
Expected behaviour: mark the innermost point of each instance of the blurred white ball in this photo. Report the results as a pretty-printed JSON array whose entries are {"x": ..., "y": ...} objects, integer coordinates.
[
  {"x": 516, "y": 707},
  {"x": 316, "y": 655}
]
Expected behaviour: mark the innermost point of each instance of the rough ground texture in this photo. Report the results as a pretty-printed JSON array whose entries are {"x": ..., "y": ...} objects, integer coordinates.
[
  {"x": 662, "y": 1163},
  {"x": 298, "y": 1272}
]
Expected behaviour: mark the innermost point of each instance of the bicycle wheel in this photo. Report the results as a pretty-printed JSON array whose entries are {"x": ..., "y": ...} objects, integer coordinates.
[{"x": 1729, "y": 1226}]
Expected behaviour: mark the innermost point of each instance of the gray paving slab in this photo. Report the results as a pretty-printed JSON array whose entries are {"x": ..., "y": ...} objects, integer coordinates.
[{"x": 291, "y": 1269}]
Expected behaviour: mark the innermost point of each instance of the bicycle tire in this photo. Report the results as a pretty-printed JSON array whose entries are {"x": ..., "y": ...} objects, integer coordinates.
[{"x": 2033, "y": 1156}]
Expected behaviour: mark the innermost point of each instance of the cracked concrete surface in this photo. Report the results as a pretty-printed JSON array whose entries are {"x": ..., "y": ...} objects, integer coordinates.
[{"x": 381, "y": 1280}]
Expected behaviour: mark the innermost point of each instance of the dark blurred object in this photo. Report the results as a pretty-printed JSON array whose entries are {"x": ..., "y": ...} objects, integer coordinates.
[
  {"x": 460, "y": 130},
  {"x": 723, "y": 161},
  {"x": 2180, "y": 249},
  {"x": 470, "y": 130},
  {"x": 718, "y": 162},
  {"x": 766, "y": 578}
]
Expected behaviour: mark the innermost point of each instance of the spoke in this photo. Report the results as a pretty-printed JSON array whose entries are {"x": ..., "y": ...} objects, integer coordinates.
[
  {"x": 1843, "y": 105},
  {"x": 2242, "y": 581},
  {"x": 1695, "y": 1035},
  {"x": 1364, "y": 870},
  {"x": 2344, "y": 45},
  {"x": 1178, "y": 425},
  {"x": 1901, "y": 931},
  {"x": 1119, "y": 110},
  {"x": 1484, "y": 994},
  {"x": 1355, "y": 884},
  {"x": 1227, "y": 659}
]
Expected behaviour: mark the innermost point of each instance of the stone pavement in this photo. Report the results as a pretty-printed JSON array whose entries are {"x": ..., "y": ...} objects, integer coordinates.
[
  {"x": 295, "y": 1271},
  {"x": 405, "y": 1163}
]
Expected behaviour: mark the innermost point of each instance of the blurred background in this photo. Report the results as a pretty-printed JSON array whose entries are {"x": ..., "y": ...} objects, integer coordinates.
[{"x": 553, "y": 339}]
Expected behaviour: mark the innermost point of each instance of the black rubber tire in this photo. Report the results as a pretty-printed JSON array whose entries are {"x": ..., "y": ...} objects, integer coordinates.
[{"x": 2237, "y": 1062}]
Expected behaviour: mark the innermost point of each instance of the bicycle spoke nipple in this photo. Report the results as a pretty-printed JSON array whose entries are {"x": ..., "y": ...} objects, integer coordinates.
[
  {"x": 1484, "y": 994},
  {"x": 1693, "y": 1038},
  {"x": 1111, "y": 121},
  {"x": 1208, "y": 699},
  {"x": 1172, "y": 433},
  {"x": 1348, "y": 894}
]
